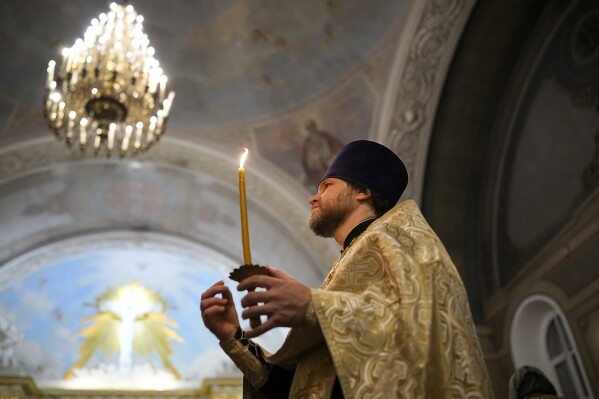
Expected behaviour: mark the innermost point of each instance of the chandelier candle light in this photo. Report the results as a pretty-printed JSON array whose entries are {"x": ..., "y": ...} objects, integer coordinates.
[{"x": 109, "y": 91}]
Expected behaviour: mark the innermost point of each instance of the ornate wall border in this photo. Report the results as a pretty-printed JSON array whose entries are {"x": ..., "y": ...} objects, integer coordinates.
[
  {"x": 20, "y": 387},
  {"x": 422, "y": 60}
]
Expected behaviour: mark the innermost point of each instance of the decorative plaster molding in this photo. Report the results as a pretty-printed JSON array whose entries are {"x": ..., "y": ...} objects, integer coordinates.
[
  {"x": 53, "y": 252},
  {"x": 423, "y": 57}
]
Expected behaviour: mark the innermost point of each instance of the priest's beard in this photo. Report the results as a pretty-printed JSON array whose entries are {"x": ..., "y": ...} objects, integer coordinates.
[{"x": 331, "y": 215}]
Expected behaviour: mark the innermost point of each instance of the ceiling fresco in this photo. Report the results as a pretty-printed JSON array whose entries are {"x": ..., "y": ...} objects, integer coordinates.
[
  {"x": 304, "y": 144},
  {"x": 292, "y": 81},
  {"x": 228, "y": 61}
]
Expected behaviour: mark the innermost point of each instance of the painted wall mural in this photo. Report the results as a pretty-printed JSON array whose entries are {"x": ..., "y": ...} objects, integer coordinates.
[
  {"x": 121, "y": 316},
  {"x": 304, "y": 143}
]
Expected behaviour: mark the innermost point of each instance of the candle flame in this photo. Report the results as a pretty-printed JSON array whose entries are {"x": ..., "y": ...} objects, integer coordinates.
[{"x": 243, "y": 157}]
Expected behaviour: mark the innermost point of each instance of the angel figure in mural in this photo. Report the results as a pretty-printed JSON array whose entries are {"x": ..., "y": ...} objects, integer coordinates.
[
  {"x": 130, "y": 318},
  {"x": 319, "y": 149}
]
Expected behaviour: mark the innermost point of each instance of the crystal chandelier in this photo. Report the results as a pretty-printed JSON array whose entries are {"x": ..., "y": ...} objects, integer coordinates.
[{"x": 109, "y": 91}]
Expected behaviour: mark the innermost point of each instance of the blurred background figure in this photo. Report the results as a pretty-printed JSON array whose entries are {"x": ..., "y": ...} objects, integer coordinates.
[{"x": 529, "y": 382}]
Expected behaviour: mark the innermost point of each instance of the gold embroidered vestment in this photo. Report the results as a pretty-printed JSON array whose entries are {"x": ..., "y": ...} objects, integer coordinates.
[{"x": 393, "y": 321}]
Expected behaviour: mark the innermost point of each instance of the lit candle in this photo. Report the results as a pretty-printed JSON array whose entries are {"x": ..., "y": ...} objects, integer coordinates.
[
  {"x": 137, "y": 143},
  {"x": 70, "y": 57},
  {"x": 125, "y": 142},
  {"x": 110, "y": 144},
  {"x": 82, "y": 133},
  {"x": 65, "y": 57},
  {"x": 159, "y": 121},
  {"x": 50, "y": 70},
  {"x": 166, "y": 105},
  {"x": 153, "y": 85},
  {"x": 70, "y": 126},
  {"x": 245, "y": 237},
  {"x": 97, "y": 142},
  {"x": 151, "y": 129},
  {"x": 60, "y": 114},
  {"x": 161, "y": 92}
]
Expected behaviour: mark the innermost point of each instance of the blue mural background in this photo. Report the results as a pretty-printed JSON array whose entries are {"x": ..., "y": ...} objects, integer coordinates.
[{"x": 48, "y": 305}]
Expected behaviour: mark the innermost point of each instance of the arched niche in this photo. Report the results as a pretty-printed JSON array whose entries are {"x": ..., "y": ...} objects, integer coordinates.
[{"x": 533, "y": 322}]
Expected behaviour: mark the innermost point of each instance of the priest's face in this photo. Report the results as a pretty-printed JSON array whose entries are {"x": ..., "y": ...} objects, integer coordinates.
[{"x": 331, "y": 206}]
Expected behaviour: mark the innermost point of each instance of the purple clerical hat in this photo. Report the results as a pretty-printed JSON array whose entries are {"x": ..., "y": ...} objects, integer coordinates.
[{"x": 372, "y": 165}]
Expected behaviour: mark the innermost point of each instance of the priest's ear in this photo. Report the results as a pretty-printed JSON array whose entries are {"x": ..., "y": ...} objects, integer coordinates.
[
  {"x": 361, "y": 192},
  {"x": 364, "y": 195}
]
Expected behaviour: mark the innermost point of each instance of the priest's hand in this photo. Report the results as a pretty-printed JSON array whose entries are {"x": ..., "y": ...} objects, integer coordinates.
[
  {"x": 284, "y": 302},
  {"x": 219, "y": 313}
]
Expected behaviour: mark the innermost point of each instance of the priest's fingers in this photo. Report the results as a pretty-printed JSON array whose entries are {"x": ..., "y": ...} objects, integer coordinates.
[
  {"x": 212, "y": 301},
  {"x": 257, "y": 311},
  {"x": 261, "y": 329},
  {"x": 219, "y": 313},
  {"x": 276, "y": 272},
  {"x": 217, "y": 288},
  {"x": 255, "y": 297},
  {"x": 212, "y": 311},
  {"x": 253, "y": 282}
]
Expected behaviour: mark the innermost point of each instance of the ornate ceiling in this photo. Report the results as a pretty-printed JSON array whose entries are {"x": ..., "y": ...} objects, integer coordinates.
[
  {"x": 474, "y": 96},
  {"x": 230, "y": 62},
  {"x": 292, "y": 82}
]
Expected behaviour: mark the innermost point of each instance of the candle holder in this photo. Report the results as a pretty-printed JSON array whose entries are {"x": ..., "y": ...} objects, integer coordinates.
[{"x": 244, "y": 271}]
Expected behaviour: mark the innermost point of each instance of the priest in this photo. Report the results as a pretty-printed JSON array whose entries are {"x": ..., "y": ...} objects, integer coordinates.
[{"x": 391, "y": 319}]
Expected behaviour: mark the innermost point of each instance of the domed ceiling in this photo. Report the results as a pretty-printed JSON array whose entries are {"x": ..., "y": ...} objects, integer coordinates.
[
  {"x": 292, "y": 81},
  {"x": 228, "y": 61}
]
